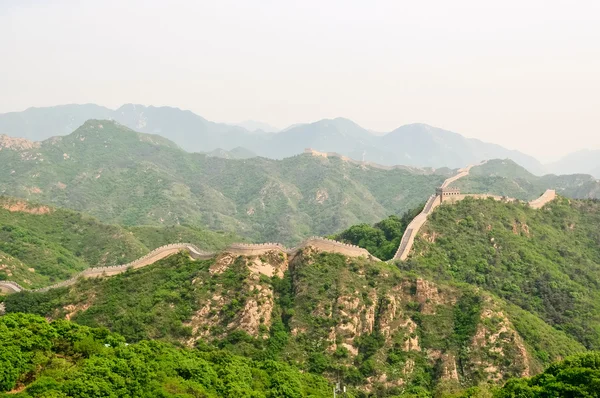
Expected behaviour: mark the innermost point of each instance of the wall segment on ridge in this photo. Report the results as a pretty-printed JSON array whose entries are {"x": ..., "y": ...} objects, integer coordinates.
[{"x": 322, "y": 244}]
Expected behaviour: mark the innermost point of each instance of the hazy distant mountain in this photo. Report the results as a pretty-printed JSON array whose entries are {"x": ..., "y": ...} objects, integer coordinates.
[
  {"x": 584, "y": 161},
  {"x": 416, "y": 145},
  {"x": 327, "y": 135},
  {"x": 254, "y": 126},
  {"x": 187, "y": 129},
  {"x": 37, "y": 124}
]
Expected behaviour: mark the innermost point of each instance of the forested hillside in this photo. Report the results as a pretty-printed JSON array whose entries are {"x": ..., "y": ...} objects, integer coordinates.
[
  {"x": 545, "y": 261},
  {"x": 63, "y": 359},
  {"x": 130, "y": 178},
  {"x": 376, "y": 328},
  {"x": 40, "y": 245}
]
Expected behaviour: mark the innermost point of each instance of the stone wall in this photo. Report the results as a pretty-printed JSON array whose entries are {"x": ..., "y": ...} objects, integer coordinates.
[
  {"x": 414, "y": 226},
  {"x": 546, "y": 197},
  {"x": 8, "y": 287},
  {"x": 245, "y": 249},
  {"x": 323, "y": 244},
  {"x": 333, "y": 246}
]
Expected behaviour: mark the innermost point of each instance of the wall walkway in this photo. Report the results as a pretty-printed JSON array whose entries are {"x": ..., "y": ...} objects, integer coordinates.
[
  {"x": 434, "y": 201},
  {"x": 241, "y": 249}
]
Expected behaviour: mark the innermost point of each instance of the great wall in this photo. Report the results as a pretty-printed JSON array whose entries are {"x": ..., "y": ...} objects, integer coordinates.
[
  {"x": 240, "y": 249},
  {"x": 443, "y": 194}
]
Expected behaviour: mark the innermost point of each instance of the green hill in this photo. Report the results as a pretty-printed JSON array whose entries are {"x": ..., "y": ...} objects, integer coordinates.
[
  {"x": 371, "y": 325},
  {"x": 130, "y": 178},
  {"x": 576, "y": 376},
  {"x": 40, "y": 244},
  {"x": 505, "y": 177},
  {"x": 544, "y": 261}
]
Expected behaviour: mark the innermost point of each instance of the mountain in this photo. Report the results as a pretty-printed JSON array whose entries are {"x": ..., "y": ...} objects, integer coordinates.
[
  {"x": 122, "y": 176},
  {"x": 37, "y": 124},
  {"x": 41, "y": 245},
  {"x": 254, "y": 126},
  {"x": 328, "y": 135},
  {"x": 581, "y": 162},
  {"x": 491, "y": 291},
  {"x": 131, "y": 178},
  {"x": 437, "y": 147},
  {"x": 546, "y": 262},
  {"x": 505, "y": 177},
  {"x": 417, "y": 145}
]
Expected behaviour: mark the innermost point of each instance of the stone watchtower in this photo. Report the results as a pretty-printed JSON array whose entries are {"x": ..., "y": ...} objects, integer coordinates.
[{"x": 446, "y": 192}]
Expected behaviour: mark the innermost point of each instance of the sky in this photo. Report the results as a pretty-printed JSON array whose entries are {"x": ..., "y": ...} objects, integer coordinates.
[{"x": 524, "y": 74}]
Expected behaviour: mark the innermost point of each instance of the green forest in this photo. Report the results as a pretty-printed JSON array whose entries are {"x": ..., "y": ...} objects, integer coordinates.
[{"x": 491, "y": 292}]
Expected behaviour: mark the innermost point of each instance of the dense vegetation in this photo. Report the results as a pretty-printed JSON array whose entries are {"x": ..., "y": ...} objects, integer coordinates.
[
  {"x": 545, "y": 261},
  {"x": 63, "y": 359},
  {"x": 505, "y": 177},
  {"x": 576, "y": 376},
  {"x": 40, "y": 244},
  {"x": 327, "y": 314},
  {"x": 382, "y": 239}
]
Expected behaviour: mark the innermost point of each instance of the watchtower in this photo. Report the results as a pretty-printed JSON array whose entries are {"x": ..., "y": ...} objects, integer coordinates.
[{"x": 445, "y": 192}]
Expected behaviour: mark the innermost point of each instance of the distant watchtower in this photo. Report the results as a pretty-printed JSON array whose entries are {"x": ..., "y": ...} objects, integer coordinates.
[{"x": 445, "y": 192}]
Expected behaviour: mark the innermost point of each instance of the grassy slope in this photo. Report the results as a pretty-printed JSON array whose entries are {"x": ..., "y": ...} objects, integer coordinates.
[
  {"x": 544, "y": 261},
  {"x": 38, "y": 249}
]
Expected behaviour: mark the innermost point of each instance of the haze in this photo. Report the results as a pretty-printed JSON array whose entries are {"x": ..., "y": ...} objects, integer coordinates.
[{"x": 520, "y": 74}]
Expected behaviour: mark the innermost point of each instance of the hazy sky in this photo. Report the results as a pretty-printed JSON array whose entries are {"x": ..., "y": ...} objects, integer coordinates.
[{"x": 521, "y": 73}]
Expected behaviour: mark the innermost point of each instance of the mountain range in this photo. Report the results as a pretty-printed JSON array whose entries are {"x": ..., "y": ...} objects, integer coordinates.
[
  {"x": 121, "y": 176},
  {"x": 416, "y": 145},
  {"x": 585, "y": 161}
]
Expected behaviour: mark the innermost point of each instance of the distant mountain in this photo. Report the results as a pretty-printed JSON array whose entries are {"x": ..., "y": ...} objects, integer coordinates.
[
  {"x": 122, "y": 176},
  {"x": 254, "y": 126},
  {"x": 584, "y": 161},
  {"x": 416, "y": 145},
  {"x": 422, "y": 144},
  {"x": 38, "y": 124}
]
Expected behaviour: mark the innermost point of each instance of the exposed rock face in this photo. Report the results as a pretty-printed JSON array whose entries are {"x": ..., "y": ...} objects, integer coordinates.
[
  {"x": 255, "y": 313},
  {"x": 24, "y": 207},
  {"x": 496, "y": 338},
  {"x": 17, "y": 144}
]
